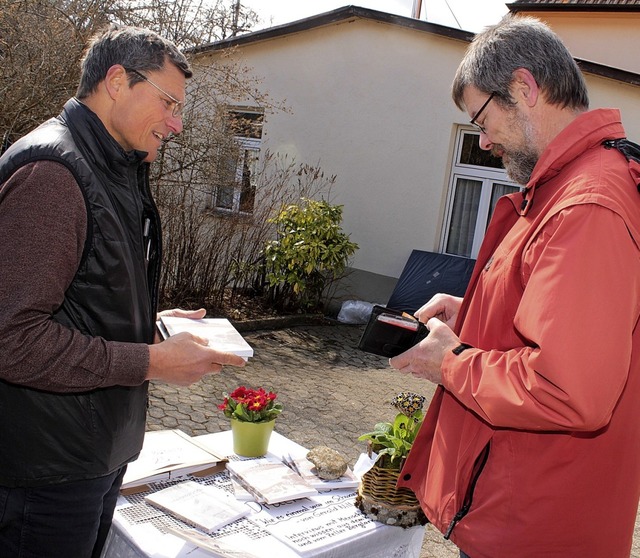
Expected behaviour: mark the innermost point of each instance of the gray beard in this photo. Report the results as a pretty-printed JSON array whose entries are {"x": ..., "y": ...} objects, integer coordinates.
[
  {"x": 520, "y": 166},
  {"x": 522, "y": 159}
]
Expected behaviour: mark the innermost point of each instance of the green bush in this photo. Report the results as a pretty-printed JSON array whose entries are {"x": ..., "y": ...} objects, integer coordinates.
[{"x": 310, "y": 252}]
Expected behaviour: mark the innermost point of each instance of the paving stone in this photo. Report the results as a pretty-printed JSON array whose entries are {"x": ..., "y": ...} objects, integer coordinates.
[{"x": 331, "y": 391}]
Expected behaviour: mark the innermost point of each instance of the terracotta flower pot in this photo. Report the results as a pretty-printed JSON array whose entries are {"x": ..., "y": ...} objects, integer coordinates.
[{"x": 251, "y": 439}]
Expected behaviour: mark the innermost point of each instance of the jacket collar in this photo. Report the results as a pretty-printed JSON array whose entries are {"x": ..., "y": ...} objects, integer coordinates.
[
  {"x": 588, "y": 130},
  {"x": 97, "y": 143}
]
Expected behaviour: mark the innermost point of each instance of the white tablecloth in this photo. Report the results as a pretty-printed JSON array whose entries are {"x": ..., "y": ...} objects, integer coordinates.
[{"x": 139, "y": 532}]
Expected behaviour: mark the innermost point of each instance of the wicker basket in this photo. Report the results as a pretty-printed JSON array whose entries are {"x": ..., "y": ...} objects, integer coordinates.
[{"x": 380, "y": 500}]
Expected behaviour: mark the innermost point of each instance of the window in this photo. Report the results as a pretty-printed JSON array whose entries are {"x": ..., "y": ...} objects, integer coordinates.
[
  {"x": 477, "y": 181},
  {"x": 236, "y": 187}
]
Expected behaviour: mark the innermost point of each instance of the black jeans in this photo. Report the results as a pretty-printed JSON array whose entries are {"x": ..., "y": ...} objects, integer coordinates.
[
  {"x": 463, "y": 555},
  {"x": 58, "y": 521}
]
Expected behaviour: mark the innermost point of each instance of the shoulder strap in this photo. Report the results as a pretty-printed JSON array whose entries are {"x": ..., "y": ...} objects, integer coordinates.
[{"x": 631, "y": 151}]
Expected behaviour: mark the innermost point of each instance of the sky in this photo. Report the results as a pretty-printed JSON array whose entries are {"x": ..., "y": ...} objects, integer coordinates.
[{"x": 470, "y": 15}]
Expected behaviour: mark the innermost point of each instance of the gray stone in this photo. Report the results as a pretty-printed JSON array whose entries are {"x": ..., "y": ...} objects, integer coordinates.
[{"x": 329, "y": 464}]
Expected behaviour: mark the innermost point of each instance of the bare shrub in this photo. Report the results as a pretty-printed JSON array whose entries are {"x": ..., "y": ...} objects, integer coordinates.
[{"x": 209, "y": 254}]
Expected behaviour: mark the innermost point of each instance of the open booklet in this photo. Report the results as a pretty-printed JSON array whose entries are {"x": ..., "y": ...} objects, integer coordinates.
[
  {"x": 203, "y": 506},
  {"x": 269, "y": 480},
  {"x": 220, "y": 333},
  {"x": 166, "y": 455}
]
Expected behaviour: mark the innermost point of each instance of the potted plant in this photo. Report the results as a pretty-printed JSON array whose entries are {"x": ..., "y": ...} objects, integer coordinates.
[
  {"x": 253, "y": 414},
  {"x": 378, "y": 497}
]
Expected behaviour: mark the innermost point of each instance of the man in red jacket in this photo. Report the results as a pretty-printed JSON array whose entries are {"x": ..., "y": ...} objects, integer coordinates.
[{"x": 531, "y": 445}]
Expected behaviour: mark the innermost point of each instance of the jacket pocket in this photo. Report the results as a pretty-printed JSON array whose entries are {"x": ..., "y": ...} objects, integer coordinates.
[{"x": 478, "y": 466}]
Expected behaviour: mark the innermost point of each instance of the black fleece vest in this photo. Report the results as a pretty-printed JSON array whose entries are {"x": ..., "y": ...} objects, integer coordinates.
[{"x": 49, "y": 438}]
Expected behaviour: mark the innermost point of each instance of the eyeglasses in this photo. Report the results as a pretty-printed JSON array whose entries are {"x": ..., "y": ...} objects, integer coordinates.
[
  {"x": 473, "y": 121},
  {"x": 176, "y": 107}
]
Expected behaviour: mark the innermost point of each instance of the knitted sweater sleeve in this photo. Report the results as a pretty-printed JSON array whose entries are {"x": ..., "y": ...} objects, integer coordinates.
[{"x": 43, "y": 225}]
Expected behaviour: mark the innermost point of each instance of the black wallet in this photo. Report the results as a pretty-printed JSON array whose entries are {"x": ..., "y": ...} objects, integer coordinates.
[{"x": 391, "y": 332}]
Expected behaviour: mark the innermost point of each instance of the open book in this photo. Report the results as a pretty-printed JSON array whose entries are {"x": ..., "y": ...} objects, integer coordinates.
[
  {"x": 220, "y": 333},
  {"x": 205, "y": 507},
  {"x": 169, "y": 454},
  {"x": 269, "y": 481}
]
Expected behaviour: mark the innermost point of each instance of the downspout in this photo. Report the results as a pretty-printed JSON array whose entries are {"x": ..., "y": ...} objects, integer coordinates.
[{"x": 417, "y": 8}]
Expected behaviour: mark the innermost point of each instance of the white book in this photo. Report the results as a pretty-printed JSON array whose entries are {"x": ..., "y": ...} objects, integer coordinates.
[
  {"x": 269, "y": 481},
  {"x": 220, "y": 333},
  {"x": 205, "y": 507},
  {"x": 166, "y": 455}
]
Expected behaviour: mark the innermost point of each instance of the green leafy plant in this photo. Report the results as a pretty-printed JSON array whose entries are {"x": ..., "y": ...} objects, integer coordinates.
[
  {"x": 250, "y": 405},
  {"x": 392, "y": 441},
  {"x": 310, "y": 251}
]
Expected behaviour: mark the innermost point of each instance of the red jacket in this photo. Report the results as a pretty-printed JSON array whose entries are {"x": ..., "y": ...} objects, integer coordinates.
[{"x": 535, "y": 433}]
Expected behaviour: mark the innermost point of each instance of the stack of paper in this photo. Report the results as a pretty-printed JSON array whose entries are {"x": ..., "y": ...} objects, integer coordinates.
[
  {"x": 220, "y": 333},
  {"x": 269, "y": 481},
  {"x": 206, "y": 507}
]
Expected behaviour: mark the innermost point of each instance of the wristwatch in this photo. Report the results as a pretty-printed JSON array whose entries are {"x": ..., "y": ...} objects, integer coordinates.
[{"x": 462, "y": 347}]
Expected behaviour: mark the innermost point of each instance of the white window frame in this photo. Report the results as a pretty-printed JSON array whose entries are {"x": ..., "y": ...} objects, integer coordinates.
[
  {"x": 246, "y": 146},
  {"x": 487, "y": 177}
]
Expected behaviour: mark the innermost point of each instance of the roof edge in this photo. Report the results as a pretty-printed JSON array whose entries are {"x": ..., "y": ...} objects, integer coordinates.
[
  {"x": 347, "y": 13},
  {"x": 516, "y": 7},
  {"x": 610, "y": 72},
  {"x": 335, "y": 16}
]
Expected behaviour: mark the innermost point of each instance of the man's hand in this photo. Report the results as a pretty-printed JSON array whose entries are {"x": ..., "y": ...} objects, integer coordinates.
[
  {"x": 442, "y": 306},
  {"x": 424, "y": 360},
  {"x": 184, "y": 359},
  {"x": 180, "y": 313}
]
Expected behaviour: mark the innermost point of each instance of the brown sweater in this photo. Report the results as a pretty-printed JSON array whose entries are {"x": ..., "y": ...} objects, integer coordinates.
[{"x": 43, "y": 225}]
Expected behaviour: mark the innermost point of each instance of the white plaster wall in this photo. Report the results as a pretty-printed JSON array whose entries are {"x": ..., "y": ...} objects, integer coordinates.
[
  {"x": 370, "y": 102},
  {"x": 612, "y": 39},
  {"x": 607, "y": 93}
]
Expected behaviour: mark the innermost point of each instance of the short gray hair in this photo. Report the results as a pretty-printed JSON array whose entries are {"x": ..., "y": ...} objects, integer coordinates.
[
  {"x": 132, "y": 47},
  {"x": 521, "y": 42}
]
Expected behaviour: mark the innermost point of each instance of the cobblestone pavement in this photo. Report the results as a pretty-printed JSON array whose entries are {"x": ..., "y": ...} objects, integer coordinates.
[{"x": 331, "y": 391}]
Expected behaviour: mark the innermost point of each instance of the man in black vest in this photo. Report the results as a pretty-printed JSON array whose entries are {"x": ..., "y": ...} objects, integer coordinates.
[{"x": 80, "y": 257}]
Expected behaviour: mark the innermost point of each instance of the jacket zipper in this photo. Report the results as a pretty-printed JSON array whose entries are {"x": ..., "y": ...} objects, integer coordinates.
[{"x": 478, "y": 466}]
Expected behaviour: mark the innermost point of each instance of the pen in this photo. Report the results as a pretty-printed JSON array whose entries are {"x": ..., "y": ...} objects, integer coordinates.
[{"x": 289, "y": 462}]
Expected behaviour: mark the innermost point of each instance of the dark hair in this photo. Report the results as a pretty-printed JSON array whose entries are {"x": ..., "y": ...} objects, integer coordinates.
[
  {"x": 521, "y": 42},
  {"x": 134, "y": 48}
]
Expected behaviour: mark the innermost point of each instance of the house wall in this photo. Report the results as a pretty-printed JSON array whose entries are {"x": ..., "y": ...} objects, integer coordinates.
[
  {"x": 370, "y": 102},
  {"x": 608, "y": 93},
  {"x": 609, "y": 38}
]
